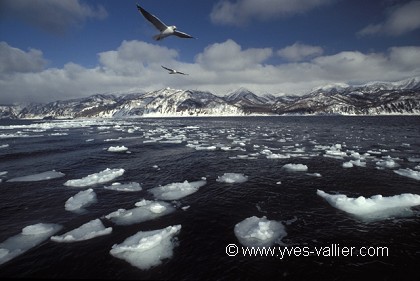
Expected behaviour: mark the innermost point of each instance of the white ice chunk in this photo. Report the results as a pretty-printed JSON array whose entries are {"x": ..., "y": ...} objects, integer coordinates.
[
  {"x": 146, "y": 210},
  {"x": 4, "y": 146},
  {"x": 39, "y": 177},
  {"x": 259, "y": 232},
  {"x": 295, "y": 167},
  {"x": 413, "y": 159},
  {"x": 147, "y": 249},
  {"x": 101, "y": 177},
  {"x": 278, "y": 156},
  {"x": 232, "y": 178},
  {"x": 347, "y": 165},
  {"x": 318, "y": 175},
  {"x": 212, "y": 147},
  {"x": 376, "y": 206},
  {"x": 31, "y": 236},
  {"x": 89, "y": 230},
  {"x": 128, "y": 187},
  {"x": 82, "y": 199},
  {"x": 409, "y": 173},
  {"x": 358, "y": 163},
  {"x": 117, "y": 148},
  {"x": 390, "y": 163},
  {"x": 177, "y": 190}
]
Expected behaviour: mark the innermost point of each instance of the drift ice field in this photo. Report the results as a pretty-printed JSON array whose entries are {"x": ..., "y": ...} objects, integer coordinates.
[{"x": 162, "y": 198}]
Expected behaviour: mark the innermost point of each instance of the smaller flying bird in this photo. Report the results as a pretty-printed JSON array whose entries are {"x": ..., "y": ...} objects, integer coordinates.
[
  {"x": 173, "y": 71},
  {"x": 164, "y": 29}
]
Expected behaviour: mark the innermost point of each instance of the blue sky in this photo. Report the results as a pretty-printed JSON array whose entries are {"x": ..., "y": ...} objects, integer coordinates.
[{"x": 61, "y": 49}]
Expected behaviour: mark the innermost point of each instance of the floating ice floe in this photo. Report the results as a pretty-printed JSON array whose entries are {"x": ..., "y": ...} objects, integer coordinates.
[
  {"x": 212, "y": 147},
  {"x": 82, "y": 199},
  {"x": 232, "y": 178},
  {"x": 147, "y": 249},
  {"x": 101, "y": 177},
  {"x": 295, "y": 167},
  {"x": 317, "y": 175},
  {"x": 87, "y": 231},
  {"x": 408, "y": 173},
  {"x": 347, "y": 165},
  {"x": 413, "y": 159},
  {"x": 352, "y": 163},
  {"x": 389, "y": 163},
  {"x": 129, "y": 187},
  {"x": 259, "y": 232},
  {"x": 4, "y": 146},
  {"x": 376, "y": 206},
  {"x": 177, "y": 190},
  {"x": 278, "y": 156},
  {"x": 146, "y": 210},
  {"x": 31, "y": 236},
  {"x": 39, "y": 177},
  {"x": 117, "y": 148}
]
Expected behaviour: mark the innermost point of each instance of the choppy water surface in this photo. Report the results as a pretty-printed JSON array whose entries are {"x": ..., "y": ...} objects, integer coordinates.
[{"x": 165, "y": 151}]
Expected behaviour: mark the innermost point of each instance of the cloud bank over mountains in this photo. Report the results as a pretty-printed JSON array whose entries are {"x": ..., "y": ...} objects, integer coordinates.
[{"x": 220, "y": 67}]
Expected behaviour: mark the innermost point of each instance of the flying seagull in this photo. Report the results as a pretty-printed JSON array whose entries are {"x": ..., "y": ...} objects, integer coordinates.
[
  {"x": 173, "y": 71},
  {"x": 165, "y": 30}
]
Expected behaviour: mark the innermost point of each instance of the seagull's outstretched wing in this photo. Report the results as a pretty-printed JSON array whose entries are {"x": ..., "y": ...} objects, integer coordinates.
[
  {"x": 182, "y": 34},
  {"x": 181, "y": 73},
  {"x": 167, "y": 68},
  {"x": 153, "y": 19}
]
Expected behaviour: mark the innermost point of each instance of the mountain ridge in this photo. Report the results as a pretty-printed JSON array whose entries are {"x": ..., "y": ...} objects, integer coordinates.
[{"x": 374, "y": 98}]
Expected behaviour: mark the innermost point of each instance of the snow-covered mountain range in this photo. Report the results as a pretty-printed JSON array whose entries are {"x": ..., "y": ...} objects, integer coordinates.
[{"x": 374, "y": 98}]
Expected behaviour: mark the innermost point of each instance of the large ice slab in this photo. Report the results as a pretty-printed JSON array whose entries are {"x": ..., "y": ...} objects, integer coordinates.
[
  {"x": 128, "y": 187},
  {"x": 39, "y": 177},
  {"x": 259, "y": 232},
  {"x": 376, "y": 206},
  {"x": 177, "y": 190},
  {"x": 82, "y": 199},
  {"x": 147, "y": 249},
  {"x": 408, "y": 173},
  {"x": 145, "y": 210},
  {"x": 31, "y": 236},
  {"x": 232, "y": 178},
  {"x": 101, "y": 177},
  {"x": 89, "y": 230}
]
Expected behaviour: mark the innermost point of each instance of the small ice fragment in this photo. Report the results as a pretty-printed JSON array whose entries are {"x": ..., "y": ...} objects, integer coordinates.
[{"x": 232, "y": 178}]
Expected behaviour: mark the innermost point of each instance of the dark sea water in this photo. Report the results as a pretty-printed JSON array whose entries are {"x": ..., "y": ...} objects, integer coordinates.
[{"x": 31, "y": 147}]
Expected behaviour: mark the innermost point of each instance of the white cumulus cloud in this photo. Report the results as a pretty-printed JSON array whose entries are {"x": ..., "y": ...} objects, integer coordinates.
[
  {"x": 299, "y": 52},
  {"x": 230, "y": 56},
  {"x": 14, "y": 60}
]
